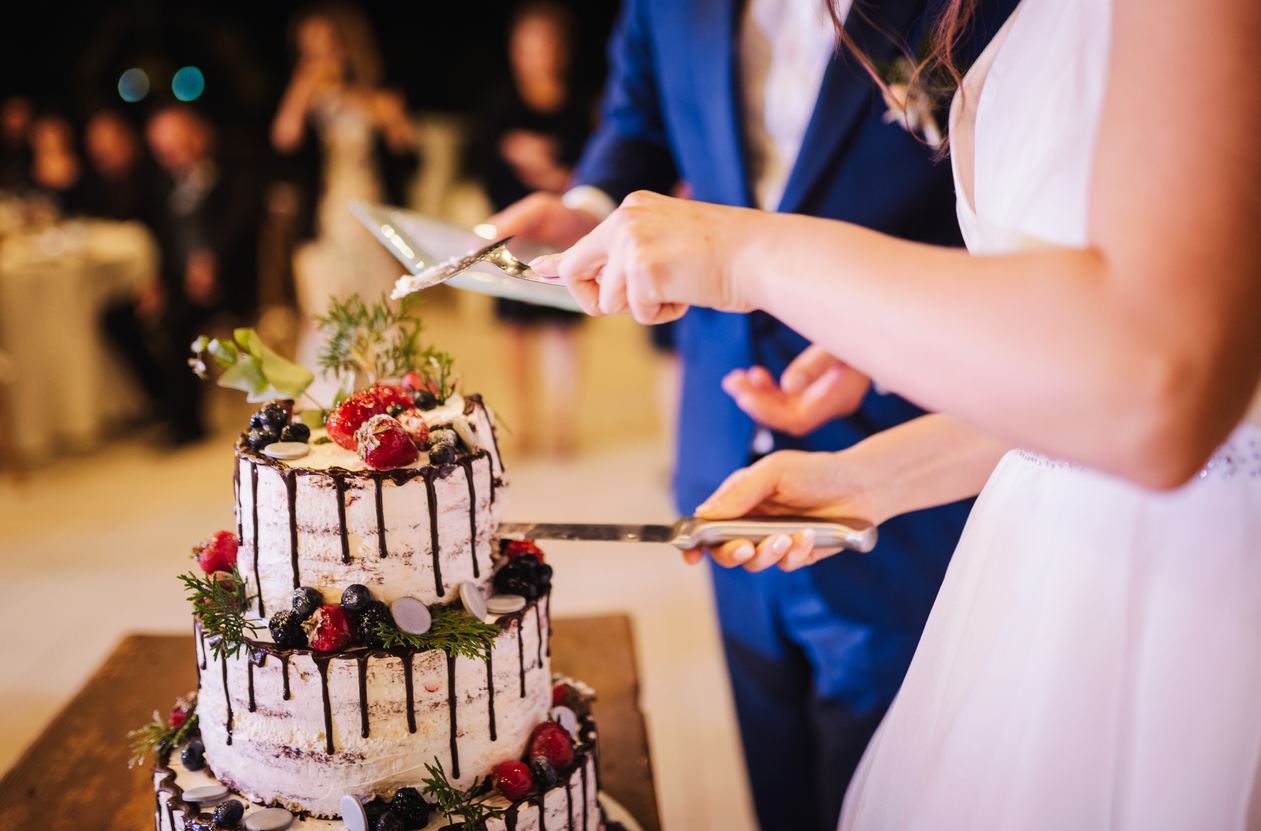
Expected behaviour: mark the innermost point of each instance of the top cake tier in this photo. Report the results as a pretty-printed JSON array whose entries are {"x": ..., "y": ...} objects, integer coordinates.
[{"x": 326, "y": 520}]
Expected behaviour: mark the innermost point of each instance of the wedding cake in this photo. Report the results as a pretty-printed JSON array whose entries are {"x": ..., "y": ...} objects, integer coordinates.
[{"x": 369, "y": 653}]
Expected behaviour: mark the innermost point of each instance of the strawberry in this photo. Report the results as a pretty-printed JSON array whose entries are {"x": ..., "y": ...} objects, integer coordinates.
[
  {"x": 413, "y": 381},
  {"x": 512, "y": 779},
  {"x": 515, "y": 548},
  {"x": 218, "y": 553},
  {"x": 349, "y": 416},
  {"x": 414, "y": 423},
  {"x": 390, "y": 394},
  {"x": 550, "y": 741},
  {"x": 558, "y": 694},
  {"x": 384, "y": 444},
  {"x": 179, "y": 715},
  {"x": 328, "y": 630}
]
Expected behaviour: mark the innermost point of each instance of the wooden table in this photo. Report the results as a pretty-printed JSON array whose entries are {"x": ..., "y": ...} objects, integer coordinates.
[{"x": 75, "y": 776}]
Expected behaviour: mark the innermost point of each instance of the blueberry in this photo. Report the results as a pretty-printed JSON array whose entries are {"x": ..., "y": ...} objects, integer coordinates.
[
  {"x": 513, "y": 580},
  {"x": 411, "y": 808},
  {"x": 424, "y": 399},
  {"x": 543, "y": 772},
  {"x": 257, "y": 422},
  {"x": 306, "y": 600},
  {"x": 286, "y": 630},
  {"x": 443, "y": 437},
  {"x": 389, "y": 822},
  {"x": 356, "y": 597},
  {"x": 228, "y": 814},
  {"x": 395, "y": 410},
  {"x": 259, "y": 439},
  {"x": 295, "y": 432},
  {"x": 366, "y": 623},
  {"x": 276, "y": 415},
  {"x": 443, "y": 454},
  {"x": 193, "y": 756}
]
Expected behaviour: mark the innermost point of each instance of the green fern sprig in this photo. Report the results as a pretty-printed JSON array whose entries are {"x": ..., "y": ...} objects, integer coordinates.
[
  {"x": 158, "y": 735},
  {"x": 377, "y": 341},
  {"x": 451, "y": 631},
  {"x": 470, "y": 806},
  {"x": 220, "y": 606}
]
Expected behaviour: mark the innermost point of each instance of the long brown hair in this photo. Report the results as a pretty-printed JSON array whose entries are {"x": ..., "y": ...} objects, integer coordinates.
[{"x": 363, "y": 59}]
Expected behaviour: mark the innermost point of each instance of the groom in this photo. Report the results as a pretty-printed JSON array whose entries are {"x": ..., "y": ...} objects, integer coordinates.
[{"x": 752, "y": 105}]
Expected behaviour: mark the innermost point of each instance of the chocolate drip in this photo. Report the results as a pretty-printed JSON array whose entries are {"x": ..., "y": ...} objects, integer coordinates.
[
  {"x": 538, "y": 622},
  {"x": 521, "y": 652},
  {"x": 490, "y": 690},
  {"x": 236, "y": 490},
  {"x": 339, "y": 485},
  {"x": 455, "y": 750},
  {"x": 542, "y": 814},
  {"x": 227, "y": 697},
  {"x": 510, "y": 818},
  {"x": 170, "y": 814},
  {"x": 585, "y": 823},
  {"x": 380, "y": 520},
  {"x": 249, "y": 673},
  {"x": 284, "y": 671},
  {"x": 291, "y": 485},
  {"x": 569, "y": 800},
  {"x": 433, "y": 530},
  {"x": 363, "y": 695},
  {"x": 411, "y": 696},
  {"x": 322, "y": 665},
  {"x": 549, "y": 623},
  {"x": 467, "y": 464},
  {"x": 201, "y": 636},
  {"x": 254, "y": 530}
]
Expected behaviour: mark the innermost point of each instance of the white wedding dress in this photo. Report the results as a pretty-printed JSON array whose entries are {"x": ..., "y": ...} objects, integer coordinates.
[{"x": 1093, "y": 660}]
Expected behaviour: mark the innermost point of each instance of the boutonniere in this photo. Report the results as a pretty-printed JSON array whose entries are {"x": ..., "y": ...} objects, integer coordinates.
[{"x": 911, "y": 103}]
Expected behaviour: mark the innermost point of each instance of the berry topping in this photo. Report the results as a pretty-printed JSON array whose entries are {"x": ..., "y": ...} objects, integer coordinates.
[
  {"x": 515, "y": 548},
  {"x": 276, "y": 415},
  {"x": 306, "y": 600},
  {"x": 395, "y": 410},
  {"x": 384, "y": 444},
  {"x": 367, "y": 620},
  {"x": 558, "y": 694},
  {"x": 388, "y": 822},
  {"x": 328, "y": 630},
  {"x": 411, "y": 808},
  {"x": 443, "y": 437},
  {"x": 524, "y": 575},
  {"x": 513, "y": 779},
  {"x": 193, "y": 756},
  {"x": 390, "y": 395},
  {"x": 424, "y": 399},
  {"x": 544, "y": 772},
  {"x": 296, "y": 432},
  {"x": 414, "y": 423},
  {"x": 349, "y": 416},
  {"x": 286, "y": 629},
  {"x": 218, "y": 553},
  {"x": 258, "y": 422},
  {"x": 228, "y": 814},
  {"x": 258, "y": 439},
  {"x": 179, "y": 714},
  {"x": 356, "y": 597},
  {"x": 443, "y": 454},
  {"x": 550, "y": 741}
]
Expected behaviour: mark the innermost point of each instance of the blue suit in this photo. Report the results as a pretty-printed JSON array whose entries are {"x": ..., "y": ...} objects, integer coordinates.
[{"x": 815, "y": 656}]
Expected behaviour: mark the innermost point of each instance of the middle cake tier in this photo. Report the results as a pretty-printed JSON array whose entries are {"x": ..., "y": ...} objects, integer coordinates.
[{"x": 300, "y": 728}]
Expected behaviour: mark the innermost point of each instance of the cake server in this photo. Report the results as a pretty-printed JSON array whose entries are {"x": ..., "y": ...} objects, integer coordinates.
[
  {"x": 496, "y": 254},
  {"x": 694, "y": 532}
]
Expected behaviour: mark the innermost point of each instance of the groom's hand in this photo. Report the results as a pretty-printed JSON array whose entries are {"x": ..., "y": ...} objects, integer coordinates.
[{"x": 814, "y": 389}]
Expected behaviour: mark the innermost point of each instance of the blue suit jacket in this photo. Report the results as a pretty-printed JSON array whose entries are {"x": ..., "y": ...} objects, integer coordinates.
[{"x": 671, "y": 111}]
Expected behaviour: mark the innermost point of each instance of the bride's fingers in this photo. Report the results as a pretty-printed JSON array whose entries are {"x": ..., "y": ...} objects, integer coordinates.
[
  {"x": 732, "y": 554},
  {"x": 743, "y": 491},
  {"x": 692, "y": 556}
]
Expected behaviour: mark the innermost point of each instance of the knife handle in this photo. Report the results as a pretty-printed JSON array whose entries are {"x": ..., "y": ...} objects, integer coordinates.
[{"x": 856, "y": 534}]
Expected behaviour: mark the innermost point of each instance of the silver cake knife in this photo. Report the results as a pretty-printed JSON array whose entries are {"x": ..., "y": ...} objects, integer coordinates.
[{"x": 693, "y": 532}]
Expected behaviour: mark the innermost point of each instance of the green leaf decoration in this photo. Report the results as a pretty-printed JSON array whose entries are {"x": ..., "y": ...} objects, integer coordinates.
[
  {"x": 451, "y": 631},
  {"x": 158, "y": 735},
  {"x": 221, "y": 606},
  {"x": 313, "y": 418},
  {"x": 253, "y": 368},
  {"x": 469, "y": 807}
]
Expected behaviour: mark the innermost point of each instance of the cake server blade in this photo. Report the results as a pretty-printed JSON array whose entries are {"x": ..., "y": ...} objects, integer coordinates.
[{"x": 693, "y": 532}]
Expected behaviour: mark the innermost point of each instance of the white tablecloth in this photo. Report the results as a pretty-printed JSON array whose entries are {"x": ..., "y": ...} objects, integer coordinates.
[{"x": 54, "y": 285}]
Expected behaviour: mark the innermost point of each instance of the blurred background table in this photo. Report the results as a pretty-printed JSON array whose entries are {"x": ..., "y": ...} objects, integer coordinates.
[
  {"x": 74, "y": 777},
  {"x": 55, "y": 282}
]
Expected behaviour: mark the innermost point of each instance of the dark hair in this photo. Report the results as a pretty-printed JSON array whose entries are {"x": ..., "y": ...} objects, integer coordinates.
[{"x": 558, "y": 14}]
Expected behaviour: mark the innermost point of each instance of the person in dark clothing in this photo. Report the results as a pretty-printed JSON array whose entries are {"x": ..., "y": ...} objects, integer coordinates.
[
  {"x": 534, "y": 128},
  {"x": 119, "y": 183},
  {"x": 15, "y": 153}
]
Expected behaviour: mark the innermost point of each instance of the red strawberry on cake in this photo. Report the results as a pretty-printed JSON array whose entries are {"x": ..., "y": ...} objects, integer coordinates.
[{"x": 350, "y": 415}]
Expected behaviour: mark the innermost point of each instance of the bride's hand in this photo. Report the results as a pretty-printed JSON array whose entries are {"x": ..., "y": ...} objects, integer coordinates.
[
  {"x": 787, "y": 483},
  {"x": 815, "y": 388},
  {"x": 655, "y": 256}
]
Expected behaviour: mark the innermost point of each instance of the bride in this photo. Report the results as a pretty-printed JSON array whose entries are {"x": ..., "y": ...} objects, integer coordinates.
[{"x": 1094, "y": 657}]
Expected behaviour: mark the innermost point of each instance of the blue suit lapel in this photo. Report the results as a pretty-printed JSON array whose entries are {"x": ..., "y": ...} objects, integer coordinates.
[
  {"x": 713, "y": 67},
  {"x": 844, "y": 96}
]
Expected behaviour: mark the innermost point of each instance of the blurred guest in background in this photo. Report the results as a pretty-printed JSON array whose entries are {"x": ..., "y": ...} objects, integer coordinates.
[
  {"x": 56, "y": 170},
  {"x": 535, "y": 128},
  {"x": 15, "y": 153},
  {"x": 118, "y": 183},
  {"x": 335, "y": 89}
]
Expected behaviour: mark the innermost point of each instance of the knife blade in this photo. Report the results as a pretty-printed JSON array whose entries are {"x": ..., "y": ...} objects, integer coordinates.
[{"x": 694, "y": 532}]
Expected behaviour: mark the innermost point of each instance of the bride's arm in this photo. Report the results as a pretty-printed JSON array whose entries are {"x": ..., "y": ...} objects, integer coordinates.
[
  {"x": 1136, "y": 356},
  {"x": 932, "y": 460}
]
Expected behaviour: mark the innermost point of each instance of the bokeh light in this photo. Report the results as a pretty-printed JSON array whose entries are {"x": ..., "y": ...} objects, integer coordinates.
[
  {"x": 188, "y": 83},
  {"x": 133, "y": 85}
]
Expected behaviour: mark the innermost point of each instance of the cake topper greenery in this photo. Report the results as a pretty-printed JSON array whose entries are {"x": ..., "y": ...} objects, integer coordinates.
[
  {"x": 158, "y": 735},
  {"x": 220, "y": 602},
  {"x": 451, "y": 631},
  {"x": 365, "y": 342},
  {"x": 469, "y": 806}
]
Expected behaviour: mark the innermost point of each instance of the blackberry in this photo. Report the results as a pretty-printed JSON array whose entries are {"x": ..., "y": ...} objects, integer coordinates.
[
  {"x": 443, "y": 437},
  {"x": 228, "y": 814},
  {"x": 525, "y": 576},
  {"x": 276, "y": 415},
  {"x": 296, "y": 432},
  {"x": 356, "y": 597},
  {"x": 443, "y": 454},
  {"x": 286, "y": 630},
  {"x": 306, "y": 600},
  {"x": 193, "y": 756},
  {"x": 543, "y": 771},
  {"x": 258, "y": 439},
  {"x": 367, "y": 620},
  {"x": 389, "y": 822},
  {"x": 424, "y": 399},
  {"x": 410, "y": 807},
  {"x": 257, "y": 422}
]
